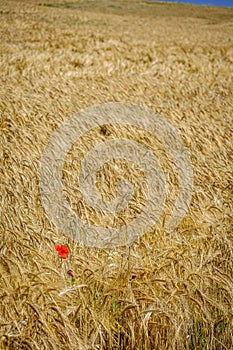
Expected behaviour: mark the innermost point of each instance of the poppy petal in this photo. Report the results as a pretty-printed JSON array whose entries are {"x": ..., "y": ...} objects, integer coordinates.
[
  {"x": 63, "y": 255},
  {"x": 64, "y": 249}
]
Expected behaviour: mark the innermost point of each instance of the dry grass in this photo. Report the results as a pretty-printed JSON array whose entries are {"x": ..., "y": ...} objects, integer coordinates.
[{"x": 57, "y": 58}]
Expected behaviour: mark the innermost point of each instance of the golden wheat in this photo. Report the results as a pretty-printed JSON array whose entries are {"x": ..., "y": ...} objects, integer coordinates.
[{"x": 58, "y": 57}]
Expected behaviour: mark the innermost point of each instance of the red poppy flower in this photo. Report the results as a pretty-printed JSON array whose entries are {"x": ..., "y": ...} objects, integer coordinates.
[{"x": 62, "y": 250}]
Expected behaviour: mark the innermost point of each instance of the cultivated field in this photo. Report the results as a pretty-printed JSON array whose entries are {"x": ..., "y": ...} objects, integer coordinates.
[{"x": 167, "y": 290}]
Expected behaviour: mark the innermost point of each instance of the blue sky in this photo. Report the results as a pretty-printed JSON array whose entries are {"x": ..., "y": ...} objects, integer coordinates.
[{"x": 227, "y": 3}]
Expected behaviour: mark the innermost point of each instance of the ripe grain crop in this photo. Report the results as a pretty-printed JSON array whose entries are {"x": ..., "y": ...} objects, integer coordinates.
[{"x": 167, "y": 290}]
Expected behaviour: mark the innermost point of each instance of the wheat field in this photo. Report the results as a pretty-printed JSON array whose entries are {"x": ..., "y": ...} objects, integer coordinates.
[{"x": 166, "y": 290}]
